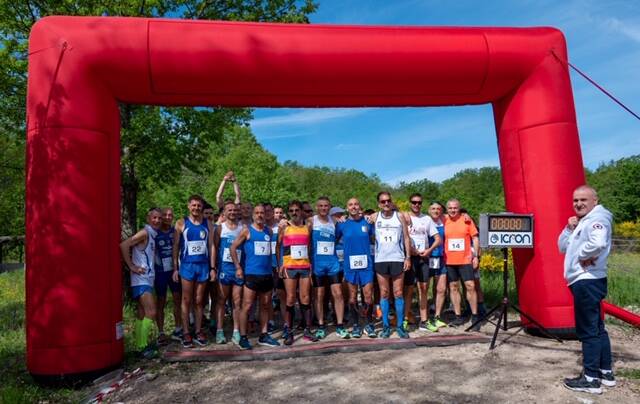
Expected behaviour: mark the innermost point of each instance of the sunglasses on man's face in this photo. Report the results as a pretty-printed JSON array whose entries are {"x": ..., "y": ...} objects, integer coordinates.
[
  {"x": 384, "y": 201},
  {"x": 416, "y": 202},
  {"x": 294, "y": 210}
]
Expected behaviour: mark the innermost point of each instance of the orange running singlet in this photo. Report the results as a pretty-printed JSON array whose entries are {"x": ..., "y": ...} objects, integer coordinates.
[{"x": 296, "y": 247}]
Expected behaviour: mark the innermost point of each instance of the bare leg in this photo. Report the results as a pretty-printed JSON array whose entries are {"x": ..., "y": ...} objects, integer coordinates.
[
  {"x": 187, "y": 294},
  {"x": 423, "y": 288},
  {"x": 199, "y": 304},
  {"x": 338, "y": 302},
  {"x": 454, "y": 293},
  {"x": 472, "y": 296},
  {"x": 441, "y": 290}
]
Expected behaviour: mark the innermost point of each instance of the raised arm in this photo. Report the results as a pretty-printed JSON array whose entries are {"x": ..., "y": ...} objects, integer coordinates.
[{"x": 220, "y": 193}]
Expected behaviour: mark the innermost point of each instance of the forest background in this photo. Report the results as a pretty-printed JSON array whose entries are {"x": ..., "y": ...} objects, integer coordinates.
[{"x": 169, "y": 153}]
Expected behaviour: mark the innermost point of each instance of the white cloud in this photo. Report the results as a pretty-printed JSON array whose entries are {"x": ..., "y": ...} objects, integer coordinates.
[
  {"x": 440, "y": 172},
  {"x": 631, "y": 32},
  {"x": 307, "y": 117}
]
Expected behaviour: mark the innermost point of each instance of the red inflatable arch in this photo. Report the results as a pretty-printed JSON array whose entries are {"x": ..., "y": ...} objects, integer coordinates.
[{"x": 80, "y": 68}]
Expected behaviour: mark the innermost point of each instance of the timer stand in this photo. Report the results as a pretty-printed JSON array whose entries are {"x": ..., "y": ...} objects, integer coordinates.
[{"x": 504, "y": 307}]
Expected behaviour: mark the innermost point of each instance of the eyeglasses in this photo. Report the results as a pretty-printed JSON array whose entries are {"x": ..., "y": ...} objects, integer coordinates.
[
  {"x": 384, "y": 201},
  {"x": 416, "y": 202},
  {"x": 308, "y": 211}
]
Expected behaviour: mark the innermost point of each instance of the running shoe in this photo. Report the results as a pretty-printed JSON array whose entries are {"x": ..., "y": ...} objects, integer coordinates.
[
  {"x": 356, "y": 331},
  {"x": 187, "y": 340},
  {"x": 244, "y": 343},
  {"x": 308, "y": 336},
  {"x": 176, "y": 335},
  {"x": 581, "y": 383},
  {"x": 220, "y": 338},
  {"x": 163, "y": 339},
  {"x": 437, "y": 321},
  {"x": 370, "y": 330},
  {"x": 459, "y": 320},
  {"x": 607, "y": 379},
  {"x": 268, "y": 340},
  {"x": 342, "y": 333},
  {"x": 474, "y": 320},
  {"x": 321, "y": 333},
  {"x": 428, "y": 326},
  {"x": 235, "y": 337},
  {"x": 402, "y": 333},
  {"x": 201, "y": 338},
  {"x": 287, "y": 336},
  {"x": 385, "y": 333}
]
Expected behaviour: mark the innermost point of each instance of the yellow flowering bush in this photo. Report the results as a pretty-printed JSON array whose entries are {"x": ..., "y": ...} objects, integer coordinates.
[
  {"x": 627, "y": 229},
  {"x": 491, "y": 261}
]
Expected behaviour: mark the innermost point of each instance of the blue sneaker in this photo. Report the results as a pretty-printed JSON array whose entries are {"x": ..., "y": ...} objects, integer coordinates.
[
  {"x": 356, "y": 331},
  {"x": 370, "y": 330},
  {"x": 271, "y": 327},
  {"x": 176, "y": 335},
  {"x": 402, "y": 333},
  {"x": 385, "y": 333},
  {"x": 244, "y": 343},
  {"x": 342, "y": 333},
  {"x": 268, "y": 340}
]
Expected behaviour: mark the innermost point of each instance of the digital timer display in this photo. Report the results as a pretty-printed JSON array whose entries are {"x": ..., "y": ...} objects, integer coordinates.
[
  {"x": 509, "y": 223},
  {"x": 506, "y": 230}
]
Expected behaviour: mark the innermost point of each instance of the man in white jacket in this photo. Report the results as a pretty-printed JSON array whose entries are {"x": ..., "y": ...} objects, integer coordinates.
[{"x": 586, "y": 242}]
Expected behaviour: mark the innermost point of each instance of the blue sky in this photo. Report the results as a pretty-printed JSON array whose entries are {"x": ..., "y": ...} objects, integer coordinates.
[{"x": 603, "y": 40}]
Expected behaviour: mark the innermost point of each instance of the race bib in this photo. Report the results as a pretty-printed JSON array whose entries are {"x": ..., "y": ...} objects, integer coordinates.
[
  {"x": 325, "y": 248},
  {"x": 340, "y": 254},
  {"x": 358, "y": 261},
  {"x": 226, "y": 255},
  {"x": 419, "y": 244},
  {"x": 167, "y": 264},
  {"x": 198, "y": 247},
  {"x": 262, "y": 248},
  {"x": 273, "y": 247},
  {"x": 455, "y": 244},
  {"x": 434, "y": 263},
  {"x": 388, "y": 236},
  {"x": 299, "y": 252}
]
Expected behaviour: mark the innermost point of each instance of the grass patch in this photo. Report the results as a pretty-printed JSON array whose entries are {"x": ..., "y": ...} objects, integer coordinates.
[
  {"x": 629, "y": 373},
  {"x": 624, "y": 280},
  {"x": 17, "y": 385}
]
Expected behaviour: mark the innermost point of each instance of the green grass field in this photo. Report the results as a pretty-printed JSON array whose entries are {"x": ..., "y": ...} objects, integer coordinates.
[{"x": 18, "y": 387}]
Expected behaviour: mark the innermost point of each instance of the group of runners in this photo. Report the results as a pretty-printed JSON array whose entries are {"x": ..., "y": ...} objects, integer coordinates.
[{"x": 361, "y": 263}]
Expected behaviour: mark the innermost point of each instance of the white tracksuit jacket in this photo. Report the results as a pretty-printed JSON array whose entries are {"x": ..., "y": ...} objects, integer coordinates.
[{"x": 591, "y": 238}]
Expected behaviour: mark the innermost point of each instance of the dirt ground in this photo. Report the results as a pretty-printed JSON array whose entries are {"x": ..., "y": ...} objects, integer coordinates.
[{"x": 522, "y": 369}]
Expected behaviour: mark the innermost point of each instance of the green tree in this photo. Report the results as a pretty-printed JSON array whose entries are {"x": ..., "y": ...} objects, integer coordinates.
[
  {"x": 618, "y": 186},
  {"x": 173, "y": 137},
  {"x": 478, "y": 190}
]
